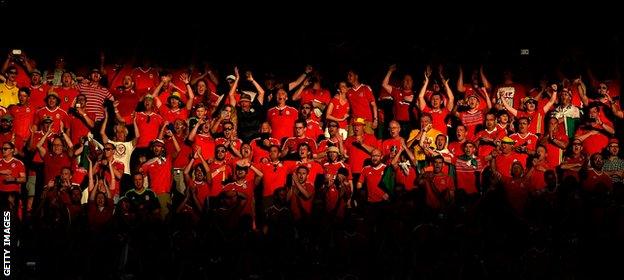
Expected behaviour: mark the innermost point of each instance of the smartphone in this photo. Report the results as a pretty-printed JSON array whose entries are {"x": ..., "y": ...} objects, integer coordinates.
[
  {"x": 77, "y": 105},
  {"x": 16, "y": 52},
  {"x": 171, "y": 127}
]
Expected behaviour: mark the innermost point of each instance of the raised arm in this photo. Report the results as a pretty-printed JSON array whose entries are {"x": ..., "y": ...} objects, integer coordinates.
[
  {"x": 488, "y": 100},
  {"x": 42, "y": 151},
  {"x": 193, "y": 132},
  {"x": 551, "y": 102},
  {"x": 421, "y": 95},
  {"x": 484, "y": 80},
  {"x": 103, "y": 128},
  {"x": 234, "y": 88},
  {"x": 386, "y": 81},
  {"x": 460, "y": 81},
  {"x": 582, "y": 89},
  {"x": 113, "y": 179},
  {"x": 137, "y": 133},
  {"x": 299, "y": 80},
  {"x": 449, "y": 92},
  {"x": 259, "y": 88},
  {"x": 510, "y": 109},
  {"x": 297, "y": 94},
  {"x": 191, "y": 95}
]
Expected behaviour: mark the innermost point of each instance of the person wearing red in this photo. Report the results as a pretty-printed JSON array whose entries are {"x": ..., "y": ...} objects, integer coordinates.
[
  {"x": 145, "y": 78},
  {"x": 338, "y": 194},
  {"x": 200, "y": 181},
  {"x": 438, "y": 113},
  {"x": 38, "y": 89},
  {"x": 101, "y": 206},
  {"x": 12, "y": 175},
  {"x": 574, "y": 161},
  {"x": 80, "y": 121},
  {"x": 338, "y": 110},
  {"x": 244, "y": 182},
  {"x": 261, "y": 146},
  {"x": 305, "y": 159},
  {"x": 504, "y": 159},
  {"x": 394, "y": 142},
  {"x": 370, "y": 178},
  {"x": 158, "y": 170},
  {"x": 109, "y": 167},
  {"x": 313, "y": 127},
  {"x": 301, "y": 194},
  {"x": 23, "y": 114},
  {"x": 274, "y": 174},
  {"x": 404, "y": 165},
  {"x": 475, "y": 115},
  {"x": 487, "y": 138},
  {"x": 282, "y": 118},
  {"x": 317, "y": 97},
  {"x": 595, "y": 131},
  {"x": 126, "y": 96},
  {"x": 52, "y": 111},
  {"x": 539, "y": 166},
  {"x": 359, "y": 146},
  {"x": 7, "y": 134},
  {"x": 230, "y": 141},
  {"x": 292, "y": 144},
  {"x": 526, "y": 142},
  {"x": 457, "y": 147},
  {"x": 220, "y": 172},
  {"x": 556, "y": 141},
  {"x": 596, "y": 180},
  {"x": 148, "y": 123},
  {"x": 467, "y": 169},
  {"x": 402, "y": 97},
  {"x": 362, "y": 102},
  {"x": 66, "y": 92},
  {"x": 57, "y": 156},
  {"x": 96, "y": 94},
  {"x": 175, "y": 109},
  {"x": 535, "y": 115},
  {"x": 440, "y": 188},
  {"x": 516, "y": 187},
  {"x": 333, "y": 140},
  {"x": 202, "y": 139}
]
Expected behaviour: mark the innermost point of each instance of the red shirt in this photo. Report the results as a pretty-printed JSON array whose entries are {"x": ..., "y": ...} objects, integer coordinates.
[
  {"x": 536, "y": 118},
  {"x": 486, "y": 148},
  {"x": 23, "y": 119},
  {"x": 10, "y": 136},
  {"x": 37, "y": 95},
  {"x": 334, "y": 202},
  {"x": 207, "y": 145},
  {"x": 99, "y": 219},
  {"x": 465, "y": 173},
  {"x": 456, "y": 148},
  {"x": 299, "y": 205},
  {"x": 317, "y": 95},
  {"x": 33, "y": 145},
  {"x": 53, "y": 164},
  {"x": 371, "y": 176},
  {"x": 17, "y": 170},
  {"x": 282, "y": 121},
  {"x": 313, "y": 129},
  {"x": 159, "y": 172},
  {"x": 203, "y": 190},
  {"x": 339, "y": 111},
  {"x": 218, "y": 176},
  {"x": 234, "y": 143},
  {"x": 58, "y": 115},
  {"x": 258, "y": 150},
  {"x": 594, "y": 143},
  {"x": 78, "y": 127},
  {"x": 331, "y": 169},
  {"x": 246, "y": 187},
  {"x": 149, "y": 129},
  {"x": 185, "y": 151},
  {"x": 128, "y": 100},
  {"x": 67, "y": 96},
  {"x": 358, "y": 155},
  {"x": 144, "y": 79},
  {"x": 360, "y": 99},
  {"x": 400, "y": 107},
  {"x": 504, "y": 162},
  {"x": 293, "y": 143},
  {"x": 314, "y": 169},
  {"x": 117, "y": 165},
  {"x": 516, "y": 192},
  {"x": 172, "y": 115},
  {"x": 407, "y": 180},
  {"x": 471, "y": 119},
  {"x": 593, "y": 179},
  {"x": 274, "y": 176},
  {"x": 554, "y": 154},
  {"x": 441, "y": 184},
  {"x": 388, "y": 144},
  {"x": 529, "y": 140},
  {"x": 438, "y": 117}
]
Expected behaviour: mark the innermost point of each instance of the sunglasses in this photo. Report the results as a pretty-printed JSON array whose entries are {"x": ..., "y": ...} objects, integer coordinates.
[
  {"x": 6, "y": 148},
  {"x": 220, "y": 151},
  {"x": 228, "y": 128}
]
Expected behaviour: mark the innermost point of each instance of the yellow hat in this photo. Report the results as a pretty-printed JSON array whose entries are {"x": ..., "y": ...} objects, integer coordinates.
[
  {"x": 359, "y": 121},
  {"x": 507, "y": 140}
]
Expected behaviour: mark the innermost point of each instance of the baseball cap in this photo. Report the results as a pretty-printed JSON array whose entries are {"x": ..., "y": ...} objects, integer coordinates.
[
  {"x": 359, "y": 121},
  {"x": 507, "y": 140},
  {"x": 245, "y": 97},
  {"x": 333, "y": 149},
  {"x": 158, "y": 142},
  {"x": 35, "y": 71},
  {"x": 611, "y": 141},
  {"x": 230, "y": 77},
  {"x": 529, "y": 99},
  {"x": 175, "y": 95}
]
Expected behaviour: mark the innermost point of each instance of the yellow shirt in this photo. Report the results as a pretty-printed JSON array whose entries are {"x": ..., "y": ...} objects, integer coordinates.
[
  {"x": 419, "y": 154},
  {"x": 8, "y": 95}
]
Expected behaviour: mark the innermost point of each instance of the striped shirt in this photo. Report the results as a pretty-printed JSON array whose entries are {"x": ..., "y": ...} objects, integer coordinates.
[
  {"x": 96, "y": 95},
  {"x": 471, "y": 120}
]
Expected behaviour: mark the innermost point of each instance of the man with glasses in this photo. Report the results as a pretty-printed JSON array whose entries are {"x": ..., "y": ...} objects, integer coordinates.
[
  {"x": 80, "y": 121},
  {"x": 38, "y": 89},
  {"x": 12, "y": 175},
  {"x": 148, "y": 123},
  {"x": 335, "y": 140},
  {"x": 230, "y": 141},
  {"x": 7, "y": 134},
  {"x": 23, "y": 115},
  {"x": 282, "y": 118},
  {"x": 291, "y": 146},
  {"x": 158, "y": 170},
  {"x": 9, "y": 89},
  {"x": 313, "y": 127},
  {"x": 219, "y": 172},
  {"x": 614, "y": 164}
]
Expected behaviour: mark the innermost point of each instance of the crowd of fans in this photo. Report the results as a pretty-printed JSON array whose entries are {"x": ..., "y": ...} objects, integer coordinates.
[{"x": 175, "y": 173}]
